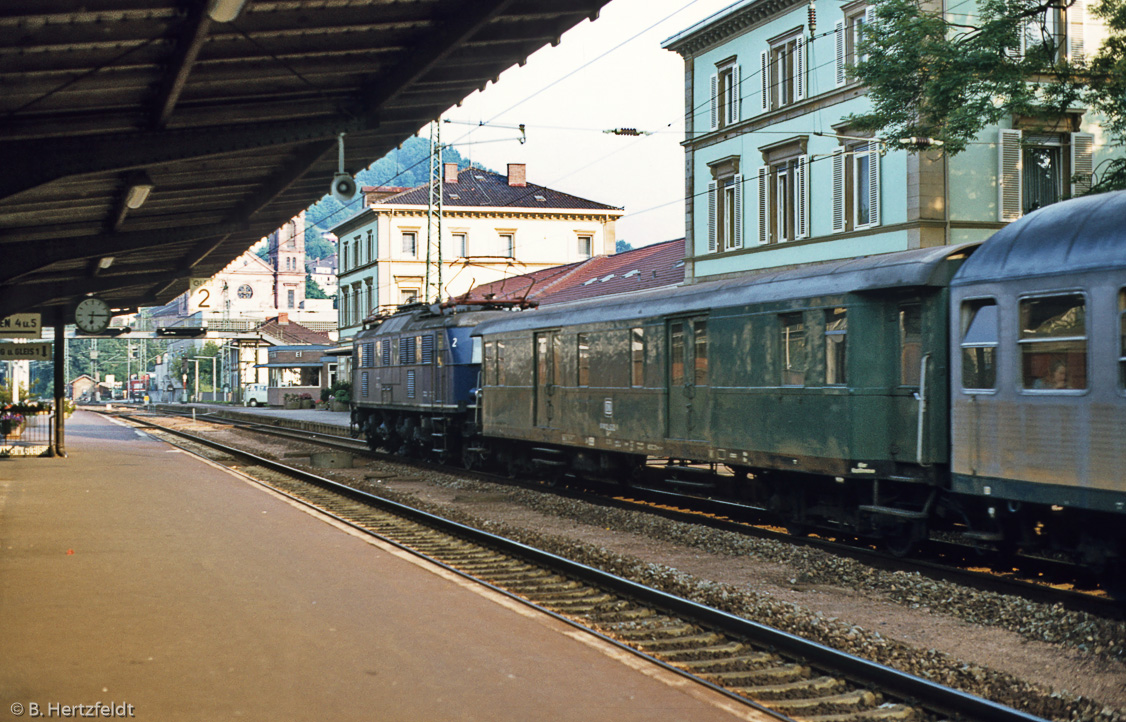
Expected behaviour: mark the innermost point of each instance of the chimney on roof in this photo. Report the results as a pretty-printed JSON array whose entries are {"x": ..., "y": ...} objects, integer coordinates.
[
  {"x": 449, "y": 174},
  {"x": 517, "y": 175},
  {"x": 283, "y": 319}
]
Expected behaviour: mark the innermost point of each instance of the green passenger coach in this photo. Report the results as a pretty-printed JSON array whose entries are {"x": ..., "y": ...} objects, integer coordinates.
[{"x": 833, "y": 374}]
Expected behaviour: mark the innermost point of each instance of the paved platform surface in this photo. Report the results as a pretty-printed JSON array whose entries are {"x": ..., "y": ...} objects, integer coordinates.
[
  {"x": 134, "y": 574},
  {"x": 318, "y": 416}
]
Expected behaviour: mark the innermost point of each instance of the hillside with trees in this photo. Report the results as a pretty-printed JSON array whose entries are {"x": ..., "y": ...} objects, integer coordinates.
[{"x": 406, "y": 166}]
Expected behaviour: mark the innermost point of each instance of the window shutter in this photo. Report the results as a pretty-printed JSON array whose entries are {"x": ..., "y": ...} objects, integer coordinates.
[
  {"x": 1030, "y": 34},
  {"x": 712, "y": 218},
  {"x": 735, "y": 102},
  {"x": 840, "y": 65},
  {"x": 1076, "y": 17},
  {"x": 801, "y": 197},
  {"x": 763, "y": 203},
  {"x": 764, "y": 79},
  {"x": 869, "y": 19},
  {"x": 737, "y": 241},
  {"x": 1082, "y": 162},
  {"x": 874, "y": 183},
  {"x": 838, "y": 190},
  {"x": 1008, "y": 175},
  {"x": 799, "y": 69},
  {"x": 714, "y": 101}
]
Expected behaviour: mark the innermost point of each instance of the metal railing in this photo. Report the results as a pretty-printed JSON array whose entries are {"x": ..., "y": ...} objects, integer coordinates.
[{"x": 31, "y": 435}]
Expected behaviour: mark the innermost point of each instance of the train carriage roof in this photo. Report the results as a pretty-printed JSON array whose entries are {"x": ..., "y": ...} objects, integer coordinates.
[
  {"x": 418, "y": 319},
  {"x": 1083, "y": 234},
  {"x": 905, "y": 269}
]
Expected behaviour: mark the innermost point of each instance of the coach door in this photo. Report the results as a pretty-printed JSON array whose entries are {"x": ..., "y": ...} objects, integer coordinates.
[
  {"x": 687, "y": 377},
  {"x": 547, "y": 376}
]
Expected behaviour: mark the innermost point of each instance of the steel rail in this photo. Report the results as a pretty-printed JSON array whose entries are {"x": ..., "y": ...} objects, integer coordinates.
[{"x": 700, "y": 510}]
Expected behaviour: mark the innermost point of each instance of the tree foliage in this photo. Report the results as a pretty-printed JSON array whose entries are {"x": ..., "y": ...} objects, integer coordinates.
[
  {"x": 946, "y": 76},
  {"x": 313, "y": 289}
]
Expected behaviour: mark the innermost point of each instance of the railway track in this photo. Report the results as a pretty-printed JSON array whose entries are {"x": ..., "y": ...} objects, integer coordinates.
[
  {"x": 1040, "y": 580},
  {"x": 776, "y": 673}
]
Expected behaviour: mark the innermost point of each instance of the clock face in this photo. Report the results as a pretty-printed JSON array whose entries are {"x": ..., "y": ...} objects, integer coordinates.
[
  {"x": 92, "y": 315},
  {"x": 245, "y": 291}
]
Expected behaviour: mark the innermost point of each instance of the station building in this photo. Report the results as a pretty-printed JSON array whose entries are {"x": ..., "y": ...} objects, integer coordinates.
[{"x": 777, "y": 177}]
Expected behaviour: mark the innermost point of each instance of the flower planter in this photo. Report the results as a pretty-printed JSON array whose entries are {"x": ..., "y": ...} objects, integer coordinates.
[
  {"x": 11, "y": 429},
  {"x": 294, "y": 404}
]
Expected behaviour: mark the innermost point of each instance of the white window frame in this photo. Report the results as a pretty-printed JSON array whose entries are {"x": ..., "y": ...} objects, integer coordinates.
[
  {"x": 725, "y": 93},
  {"x": 784, "y": 186},
  {"x": 461, "y": 243},
  {"x": 846, "y": 165},
  {"x": 507, "y": 240},
  {"x": 1076, "y": 176},
  {"x": 783, "y": 65},
  {"x": 725, "y": 214},
  {"x": 585, "y": 245},
  {"x": 413, "y": 251}
]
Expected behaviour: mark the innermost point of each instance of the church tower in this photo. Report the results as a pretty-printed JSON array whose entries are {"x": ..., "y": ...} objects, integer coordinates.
[{"x": 287, "y": 258}]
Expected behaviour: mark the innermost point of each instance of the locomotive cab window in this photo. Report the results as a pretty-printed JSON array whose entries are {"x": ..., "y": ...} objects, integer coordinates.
[
  {"x": 836, "y": 342},
  {"x": 910, "y": 343},
  {"x": 1053, "y": 342},
  {"x": 979, "y": 345}
]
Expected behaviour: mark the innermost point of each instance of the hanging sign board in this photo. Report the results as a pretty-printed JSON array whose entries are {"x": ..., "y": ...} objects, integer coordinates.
[
  {"x": 21, "y": 325},
  {"x": 25, "y": 351},
  {"x": 201, "y": 295}
]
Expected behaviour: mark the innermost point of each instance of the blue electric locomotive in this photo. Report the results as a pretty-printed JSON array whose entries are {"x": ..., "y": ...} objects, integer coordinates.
[{"x": 414, "y": 378}]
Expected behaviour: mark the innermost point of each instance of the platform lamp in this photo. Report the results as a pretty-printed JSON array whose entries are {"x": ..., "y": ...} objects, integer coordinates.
[
  {"x": 140, "y": 185},
  {"x": 224, "y": 11}
]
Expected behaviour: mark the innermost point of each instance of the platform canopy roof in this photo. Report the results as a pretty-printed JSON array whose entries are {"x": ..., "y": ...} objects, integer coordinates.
[{"x": 232, "y": 123}]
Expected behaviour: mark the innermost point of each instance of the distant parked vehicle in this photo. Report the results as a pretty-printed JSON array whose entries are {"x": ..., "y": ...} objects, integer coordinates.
[{"x": 255, "y": 395}]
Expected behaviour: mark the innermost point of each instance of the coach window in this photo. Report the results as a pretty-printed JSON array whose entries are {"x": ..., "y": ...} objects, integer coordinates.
[
  {"x": 700, "y": 334},
  {"x": 836, "y": 344},
  {"x": 637, "y": 356},
  {"x": 490, "y": 364},
  {"x": 584, "y": 359},
  {"x": 910, "y": 343},
  {"x": 1122, "y": 330},
  {"x": 793, "y": 349},
  {"x": 979, "y": 345},
  {"x": 1053, "y": 342}
]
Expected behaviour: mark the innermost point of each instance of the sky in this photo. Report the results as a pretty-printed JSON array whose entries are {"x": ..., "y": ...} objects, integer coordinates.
[{"x": 566, "y": 106}]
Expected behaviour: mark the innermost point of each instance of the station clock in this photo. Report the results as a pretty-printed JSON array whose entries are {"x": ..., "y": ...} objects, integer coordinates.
[{"x": 92, "y": 315}]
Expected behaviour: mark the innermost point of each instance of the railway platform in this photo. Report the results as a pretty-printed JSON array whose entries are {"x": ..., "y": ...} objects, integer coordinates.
[{"x": 139, "y": 581}]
